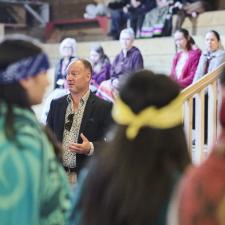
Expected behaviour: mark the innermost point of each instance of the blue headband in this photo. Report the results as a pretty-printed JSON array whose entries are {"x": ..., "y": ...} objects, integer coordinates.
[{"x": 28, "y": 67}]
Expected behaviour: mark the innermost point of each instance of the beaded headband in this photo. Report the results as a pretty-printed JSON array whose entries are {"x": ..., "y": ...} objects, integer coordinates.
[{"x": 24, "y": 68}]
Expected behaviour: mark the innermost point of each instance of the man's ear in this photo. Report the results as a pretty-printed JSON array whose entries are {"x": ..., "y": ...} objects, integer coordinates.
[{"x": 89, "y": 75}]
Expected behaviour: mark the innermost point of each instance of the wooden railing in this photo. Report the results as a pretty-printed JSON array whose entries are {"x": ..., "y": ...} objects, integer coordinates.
[{"x": 199, "y": 147}]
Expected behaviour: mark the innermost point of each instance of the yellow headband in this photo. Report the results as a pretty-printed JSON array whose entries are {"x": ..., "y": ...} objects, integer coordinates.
[{"x": 163, "y": 118}]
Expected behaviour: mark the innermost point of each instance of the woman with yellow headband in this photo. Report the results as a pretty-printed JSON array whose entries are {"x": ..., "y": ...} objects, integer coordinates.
[{"x": 131, "y": 181}]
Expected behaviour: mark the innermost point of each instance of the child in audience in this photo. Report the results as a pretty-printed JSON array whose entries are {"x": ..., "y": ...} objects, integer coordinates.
[
  {"x": 101, "y": 66},
  {"x": 131, "y": 180}
]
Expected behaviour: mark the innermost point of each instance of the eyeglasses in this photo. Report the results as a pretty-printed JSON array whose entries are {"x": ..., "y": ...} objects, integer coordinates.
[{"x": 68, "y": 124}]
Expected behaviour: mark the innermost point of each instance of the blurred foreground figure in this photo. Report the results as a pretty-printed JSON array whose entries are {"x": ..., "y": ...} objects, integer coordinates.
[
  {"x": 200, "y": 199},
  {"x": 33, "y": 186},
  {"x": 130, "y": 182}
]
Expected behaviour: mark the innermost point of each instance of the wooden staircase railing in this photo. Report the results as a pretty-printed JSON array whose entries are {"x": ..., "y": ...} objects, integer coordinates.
[{"x": 207, "y": 85}]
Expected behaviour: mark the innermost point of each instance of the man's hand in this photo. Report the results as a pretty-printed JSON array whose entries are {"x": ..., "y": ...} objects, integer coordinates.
[
  {"x": 115, "y": 83},
  {"x": 125, "y": 9},
  {"x": 83, "y": 148}
]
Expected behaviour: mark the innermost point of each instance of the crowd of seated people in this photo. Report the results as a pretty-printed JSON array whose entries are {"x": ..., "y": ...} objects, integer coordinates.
[
  {"x": 107, "y": 173},
  {"x": 148, "y": 18}
]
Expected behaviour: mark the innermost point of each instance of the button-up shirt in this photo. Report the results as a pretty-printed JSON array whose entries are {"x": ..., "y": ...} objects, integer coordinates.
[{"x": 72, "y": 135}]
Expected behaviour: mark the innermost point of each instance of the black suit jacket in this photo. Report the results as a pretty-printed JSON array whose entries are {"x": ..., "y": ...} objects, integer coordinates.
[{"x": 95, "y": 122}]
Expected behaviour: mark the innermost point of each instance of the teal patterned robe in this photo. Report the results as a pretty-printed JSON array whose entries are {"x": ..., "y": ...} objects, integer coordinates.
[{"x": 33, "y": 185}]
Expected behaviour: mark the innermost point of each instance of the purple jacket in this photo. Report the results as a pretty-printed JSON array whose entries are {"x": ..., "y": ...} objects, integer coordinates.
[
  {"x": 104, "y": 73},
  {"x": 123, "y": 65}
]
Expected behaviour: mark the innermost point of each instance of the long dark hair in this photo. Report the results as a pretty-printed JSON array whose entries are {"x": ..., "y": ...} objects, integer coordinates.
[
  {"x": 13, "y": 49},
  {"x": 217, "y": 35},
  {"x": 103, "y": 57},
  {"x": 190, "y": 40},
  {"x": 130, "y": 182}
]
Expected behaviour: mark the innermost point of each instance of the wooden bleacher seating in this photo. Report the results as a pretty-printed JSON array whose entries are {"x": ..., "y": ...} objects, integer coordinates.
[{"x": 207, "y": 21}]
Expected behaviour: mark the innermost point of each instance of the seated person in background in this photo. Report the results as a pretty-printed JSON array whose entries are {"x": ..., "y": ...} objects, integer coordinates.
[
  {"x": 200, "y": 196},
  {"x": 190, "y": 9},
  {"x": 98, "y": 9},
  {"x": 212, "y": 57},
  {"x": 128, "y": 60},
  {"x": 67, "y": 51},
  {"x": 155, "y": 19},
  {"x": 131, "y": 180},
  {"x": 128, "y": 10},
  {"x": 185, "y": 61},
  {"x": 101, "y": 66},
  {"x": 33, "y": 186},
  {"x": 136, "y": 11},
  {"x": 118, "y": 17}
]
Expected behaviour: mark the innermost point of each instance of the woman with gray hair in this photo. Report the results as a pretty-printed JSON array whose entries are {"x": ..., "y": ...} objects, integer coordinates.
[
  {"x": 67, "y": 51},
  {"x": 128, "y": 60}
]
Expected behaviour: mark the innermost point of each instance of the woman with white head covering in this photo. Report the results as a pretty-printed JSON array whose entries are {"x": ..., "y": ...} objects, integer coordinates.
[{"x": 128, "y": 60}]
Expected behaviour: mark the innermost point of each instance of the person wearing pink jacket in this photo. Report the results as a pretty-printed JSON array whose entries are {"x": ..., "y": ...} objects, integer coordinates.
[{"x": 186, "y": 60}]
